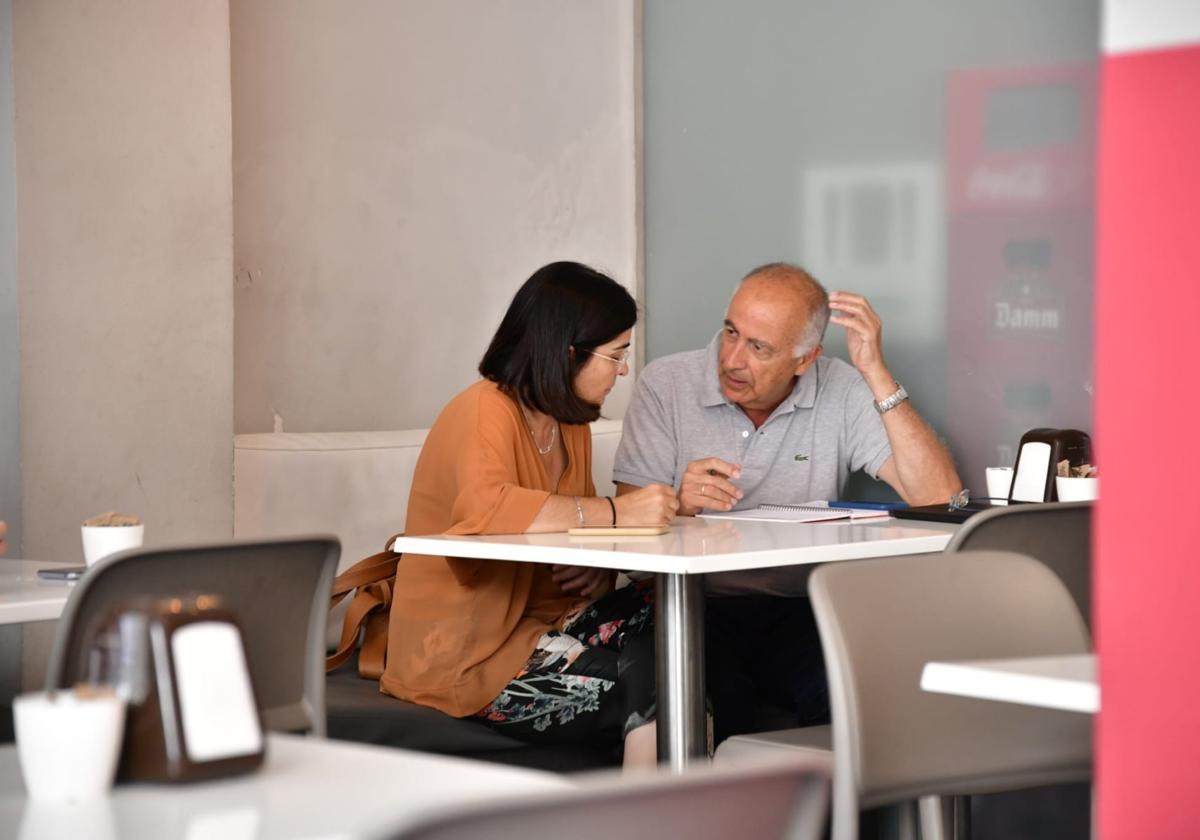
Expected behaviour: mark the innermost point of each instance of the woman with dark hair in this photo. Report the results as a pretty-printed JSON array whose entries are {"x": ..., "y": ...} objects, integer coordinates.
[{"x": 531, "y": 649}]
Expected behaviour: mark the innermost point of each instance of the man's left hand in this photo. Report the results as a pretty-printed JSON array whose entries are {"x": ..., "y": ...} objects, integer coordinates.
[
  {"x": 583, "y": 580},
  {"x": 864, "y": 332}
]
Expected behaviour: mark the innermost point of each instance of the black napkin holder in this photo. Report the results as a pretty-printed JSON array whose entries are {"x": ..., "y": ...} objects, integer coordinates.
[
  {"x": 191, "y": 711},
  {"x": 1038, "y": 456}
]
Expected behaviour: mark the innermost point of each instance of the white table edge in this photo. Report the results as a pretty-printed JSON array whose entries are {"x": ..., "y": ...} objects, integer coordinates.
[
  {"x": 622, "y": 554},
  {"x": 39, "y": 600},
  {"x": 987, "y": 680},
  {"x": 296, "y": 765}
]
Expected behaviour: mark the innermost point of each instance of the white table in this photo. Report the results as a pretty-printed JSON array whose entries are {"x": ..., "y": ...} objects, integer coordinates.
[
  {"x": 693, "y": 548},
  {"x": 26, "y": 597},
  {"x": 307, "y": 788},
  {"x": 1055, "y": 682}
]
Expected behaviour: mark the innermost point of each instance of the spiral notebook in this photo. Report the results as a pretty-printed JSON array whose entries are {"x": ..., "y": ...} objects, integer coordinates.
[{"x": 806, "y": 512}]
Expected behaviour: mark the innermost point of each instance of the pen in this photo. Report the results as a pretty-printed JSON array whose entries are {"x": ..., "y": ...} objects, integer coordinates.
[{"x": 868, "y": 505}]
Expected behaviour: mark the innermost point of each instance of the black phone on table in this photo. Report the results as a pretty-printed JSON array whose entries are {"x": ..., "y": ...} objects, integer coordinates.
[{"x": 62, "y": 573}]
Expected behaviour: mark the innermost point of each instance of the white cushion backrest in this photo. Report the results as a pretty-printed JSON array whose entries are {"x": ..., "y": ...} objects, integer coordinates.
[
  {"x": 354, "y": 485},
  {"x": 606, "y": 434}
]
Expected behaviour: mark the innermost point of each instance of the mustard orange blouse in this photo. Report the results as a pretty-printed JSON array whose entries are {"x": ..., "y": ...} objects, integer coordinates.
[{"x": 461, "y": 629}]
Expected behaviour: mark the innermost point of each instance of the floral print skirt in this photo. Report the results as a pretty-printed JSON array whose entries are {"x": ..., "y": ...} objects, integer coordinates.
[{"x": 594, "y": 679}]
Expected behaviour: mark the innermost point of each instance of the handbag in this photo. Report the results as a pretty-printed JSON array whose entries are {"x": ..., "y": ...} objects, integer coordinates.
[{"x": 372, "y": 581}]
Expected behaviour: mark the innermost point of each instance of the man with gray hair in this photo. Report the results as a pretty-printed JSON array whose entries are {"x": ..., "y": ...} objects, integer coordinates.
[{"x": 759, "y": 416}]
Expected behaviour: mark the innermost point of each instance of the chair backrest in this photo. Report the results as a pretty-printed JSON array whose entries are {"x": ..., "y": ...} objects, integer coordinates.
[
  {"x": 882, "y": 620},
  {"x": 765, "y": 802},
  {"x": 1057, "y": 533},
  {"x": 279, "y": 590}
]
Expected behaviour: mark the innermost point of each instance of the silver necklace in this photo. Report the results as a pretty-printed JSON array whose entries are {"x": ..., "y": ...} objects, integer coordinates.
[{"x": 553, "y": 435}]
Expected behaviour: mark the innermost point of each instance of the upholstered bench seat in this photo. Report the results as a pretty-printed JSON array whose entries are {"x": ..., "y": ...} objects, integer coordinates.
[{"x": 358, "y": 711}]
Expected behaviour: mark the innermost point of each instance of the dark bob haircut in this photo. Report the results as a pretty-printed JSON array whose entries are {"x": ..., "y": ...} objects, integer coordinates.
[{"x": 563, "y": 305}]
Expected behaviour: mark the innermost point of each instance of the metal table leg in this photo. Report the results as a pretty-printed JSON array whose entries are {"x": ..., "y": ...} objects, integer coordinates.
[{"x": 679, "y": 640}]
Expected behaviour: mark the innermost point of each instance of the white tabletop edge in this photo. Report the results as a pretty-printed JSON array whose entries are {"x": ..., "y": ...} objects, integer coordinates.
[
  {"x": 736, "y": 546},
  {"x": 1059, "y": 682},
  {"x": 287, "y": 798},
  {"x": 26, "y": 597}
]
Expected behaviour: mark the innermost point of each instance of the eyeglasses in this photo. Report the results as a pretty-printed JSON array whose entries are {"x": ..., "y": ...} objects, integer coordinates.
[{"x": 622, "y": 358}]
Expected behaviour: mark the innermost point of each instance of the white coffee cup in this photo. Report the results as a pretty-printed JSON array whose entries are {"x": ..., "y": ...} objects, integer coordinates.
[
  {"x": 68, "y": 743},
  {"x": 1076, "y": 489},
  {"x": 102, "y": 540},
  {"x": 999, "y": 482}
]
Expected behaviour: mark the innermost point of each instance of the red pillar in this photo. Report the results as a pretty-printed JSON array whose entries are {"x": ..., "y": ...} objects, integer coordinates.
[{"x": 1147, "y": 559}]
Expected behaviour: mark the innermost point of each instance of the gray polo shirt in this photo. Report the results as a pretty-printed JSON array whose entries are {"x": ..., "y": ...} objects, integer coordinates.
[{"x": 825, "y": 429}]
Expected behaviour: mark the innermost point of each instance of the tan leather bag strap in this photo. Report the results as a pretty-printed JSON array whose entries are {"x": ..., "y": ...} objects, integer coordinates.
[
  {"x": 371, "y": 579},
  {"x": 377, "y": 567},
  {"x": 373, "y": 653}
]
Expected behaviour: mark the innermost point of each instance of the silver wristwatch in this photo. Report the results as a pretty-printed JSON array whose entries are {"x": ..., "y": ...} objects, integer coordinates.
[{"x": 892, "y": 400}]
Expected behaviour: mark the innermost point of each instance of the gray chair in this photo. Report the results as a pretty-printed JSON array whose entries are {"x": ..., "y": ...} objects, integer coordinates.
[
  {"x": 772, "y": 801},
  {"x": 881, "y": 621},
  {"x": 278, "y": 589},
  {"x": 1057, "y": 533}
]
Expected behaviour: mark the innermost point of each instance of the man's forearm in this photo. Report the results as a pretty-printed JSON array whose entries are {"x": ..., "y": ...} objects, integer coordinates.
[{"x": 924, "y": 470}]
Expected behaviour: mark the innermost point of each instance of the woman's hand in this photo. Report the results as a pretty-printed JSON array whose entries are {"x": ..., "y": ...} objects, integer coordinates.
[
  {"x": 588, "y": 582},
  {"x": 654, "y": 504}
]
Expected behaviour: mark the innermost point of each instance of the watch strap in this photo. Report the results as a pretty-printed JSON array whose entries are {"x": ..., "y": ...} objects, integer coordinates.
[{"x": 892, "y": 400}]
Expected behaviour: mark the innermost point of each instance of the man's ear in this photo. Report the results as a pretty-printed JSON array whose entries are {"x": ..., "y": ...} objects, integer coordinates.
[{"x": 806, "y": 361}]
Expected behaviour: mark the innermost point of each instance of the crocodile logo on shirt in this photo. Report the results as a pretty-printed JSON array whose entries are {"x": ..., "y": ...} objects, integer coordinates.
[{"x": 800, "y": 456}]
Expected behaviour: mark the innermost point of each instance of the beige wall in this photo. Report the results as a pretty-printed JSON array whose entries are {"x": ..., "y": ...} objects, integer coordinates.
[
  {"x": 124, "y": 220},
  {"x": 10, "y": 352},
  {"x": 400, "y": 168}
]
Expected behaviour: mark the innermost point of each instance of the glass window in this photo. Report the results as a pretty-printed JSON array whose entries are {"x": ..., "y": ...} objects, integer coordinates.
[{"x": 936, "y": 157}]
